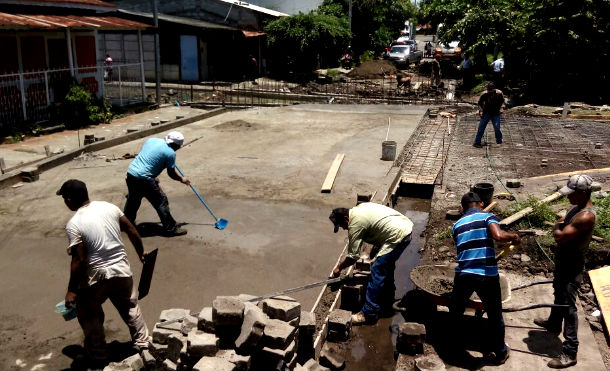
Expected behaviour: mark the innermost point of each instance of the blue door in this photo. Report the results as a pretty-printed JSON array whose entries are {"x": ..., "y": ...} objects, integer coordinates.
[{"x": 189, "y": 68}]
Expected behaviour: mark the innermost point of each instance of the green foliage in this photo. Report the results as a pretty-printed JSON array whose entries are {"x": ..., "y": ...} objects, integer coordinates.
[
  {"x": 334, "y": 73},
  {"x": 543, "y": 42},
  {"x": 367, "y": 55},
  {"x": 79, "y": 109},
  {"x": 541, "y": 213},
  {"x": 602, "y": 220},
  {"x": 304, "y": 42},
  {"x": 445, "y": 233}
]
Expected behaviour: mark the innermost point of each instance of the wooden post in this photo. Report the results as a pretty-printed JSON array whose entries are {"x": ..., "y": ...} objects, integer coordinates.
[
  {"x": 564, "y": 113},
  {"x": 2, "y": 165},
  {"x": 141, "y": 47},
  {"x": 70, "y": 56}
]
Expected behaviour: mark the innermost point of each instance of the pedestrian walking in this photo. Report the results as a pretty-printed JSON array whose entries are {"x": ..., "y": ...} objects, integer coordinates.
[
  {"x": 108, "y": 67},
  {"x": 573, "y": 234},
  {"x": 99, "y": 270},
  {"x": 498, "y": 71},
  {"x": 467, "y": 71},
  {"x": 156, "y": 155},
  {"x": 477, "y": 271},
  {"x": 490, "y": 104},
  {"x": 384, "y": 228}
]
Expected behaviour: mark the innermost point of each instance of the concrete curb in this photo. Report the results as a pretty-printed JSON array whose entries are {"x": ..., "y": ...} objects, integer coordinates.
[{"x": 13, "y": 176}]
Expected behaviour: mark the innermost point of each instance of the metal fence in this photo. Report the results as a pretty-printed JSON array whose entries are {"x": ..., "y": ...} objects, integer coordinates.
[{"x": 30, "y": 97}]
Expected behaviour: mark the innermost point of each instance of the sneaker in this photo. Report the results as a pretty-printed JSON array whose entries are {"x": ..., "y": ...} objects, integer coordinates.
[
  {"x": 360, "y": 319},
  {"x": 177, "y": 232},
  {"x": 562, "y": 361},
  {"x": 497, "y": 358},
  {"x": 547, "y": 326},
  {"x": 477, "y": 145}
]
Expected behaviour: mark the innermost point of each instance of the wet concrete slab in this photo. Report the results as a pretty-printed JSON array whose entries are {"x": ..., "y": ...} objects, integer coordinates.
[{"x": 264, "y": 177}]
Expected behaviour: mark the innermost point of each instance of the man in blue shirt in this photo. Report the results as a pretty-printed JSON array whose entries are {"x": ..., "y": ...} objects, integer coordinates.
[
  {"x": 477, "y": 269},
  {"x": 156, "y": 155}
]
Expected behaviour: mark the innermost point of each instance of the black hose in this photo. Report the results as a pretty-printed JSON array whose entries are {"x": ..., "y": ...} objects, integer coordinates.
[{"x": 535, "y": 306}]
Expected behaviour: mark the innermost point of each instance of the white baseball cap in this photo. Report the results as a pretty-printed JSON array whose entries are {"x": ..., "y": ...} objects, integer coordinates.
[
  {"x": 579, "y": 183},
  {"x": 174, "y": 137}
]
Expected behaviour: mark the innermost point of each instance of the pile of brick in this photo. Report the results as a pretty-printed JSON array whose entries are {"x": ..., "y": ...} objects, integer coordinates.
[{"x": 232, "y": 334}]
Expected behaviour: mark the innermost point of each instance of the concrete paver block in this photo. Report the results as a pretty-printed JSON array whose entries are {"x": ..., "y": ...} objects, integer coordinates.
[
  {"x": 339, "y": 325},
  {"x": 429, "y": 362},
  {"x": 227, "y": 311},
  {"x": 132, "y": 363},
  {"x": 149, "y": 360},
  {"x": 278, "y": 334},
  {"x": 513, "y": 183},
  {"x": 159, "y": 351},
  {"x": 252, "y": 329},
  {"x": 174, "y": 314},
  {"x": 352, "y": 297},
  {"x": 332, "y": 356},
  {"x": 307, "y": 323},
  {"x": 189, "y": 323},
  {"x": 313, "y": 365},
  {"x": 201, "y": 344},
  {"x": 214, "y": 364},
  {"x": 176, "y": 344},
  {"x": 168, "y": 365},
  {"x": 160, "y": 335},
  {"x": 205, "y": 321},
  {"x": 404, "y": 363},
  {"x": 247, "y": 298},
  {"x": 241, "y": 362},
  {"x": 271, "y": 356},
  {"x": 283, "y": 308},
  {"x": 411, "y": 338}
]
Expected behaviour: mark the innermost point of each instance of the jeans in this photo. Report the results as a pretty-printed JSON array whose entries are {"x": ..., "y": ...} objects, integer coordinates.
[
  {"x": 381, "y": 283},
  {"x": 91, "y": 315},
  {"x": 495, "y": 120},
  {"x": 488, "y": 289},
  {"x": 149, "y": 189},
  {"x": 565, "y": 292}
]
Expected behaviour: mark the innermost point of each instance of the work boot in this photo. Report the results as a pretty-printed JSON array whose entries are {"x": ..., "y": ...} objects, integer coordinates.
[
  {"x": 477, "y": 145},
  {"x": 177, "y": 232},
  {"x": 545, "y": 324},
  {"x": 498, "y": 358},
  {"x": 562, "y": 361},
  {"x": 360, "y": 319}
]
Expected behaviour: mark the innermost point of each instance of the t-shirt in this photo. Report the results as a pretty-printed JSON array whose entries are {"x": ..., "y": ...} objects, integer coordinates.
[
  {"x": 498, "y": 65},
  {"x": 154, "y": 157},
  {"x": 378, "y": 225},
  {"x": 491, "y": 102},
  {"x": 475, "y": 246},
  {"x": 96, "y": 225}
]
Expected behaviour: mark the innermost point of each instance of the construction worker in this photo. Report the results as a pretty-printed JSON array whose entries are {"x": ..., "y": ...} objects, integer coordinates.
[
  {"x": 100, "y": 270},
  {"x": 491, "y": 103},
  {"x": 477, "y": 270},
  {"x": 572, "y": 234},
  {"x": 156, "y": 154},
  {"x": 382, "y": 227}
]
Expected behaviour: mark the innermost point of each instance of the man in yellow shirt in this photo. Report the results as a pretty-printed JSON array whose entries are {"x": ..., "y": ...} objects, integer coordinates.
[{"x": 382, "y": 227}]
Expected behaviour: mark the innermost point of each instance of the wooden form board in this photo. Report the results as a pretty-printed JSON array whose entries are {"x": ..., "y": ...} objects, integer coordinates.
[
  {"x": 569, "y": 173},
  {"x": 513, "y": 218},
  {"x": 600, "y": 279},
  {"x": 332, "y": 173}
]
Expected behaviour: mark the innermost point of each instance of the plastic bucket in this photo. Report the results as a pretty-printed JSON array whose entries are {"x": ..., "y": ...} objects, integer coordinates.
[
  {"x": 67, "y": 313},
  {"x": 485, "y": 191},
  {"x": 388, "y": 150}
]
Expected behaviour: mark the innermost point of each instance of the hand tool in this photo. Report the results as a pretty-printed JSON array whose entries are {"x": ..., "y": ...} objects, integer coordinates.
[
  {"x": 220, "y": 223},
  {"x": 147, "y": 273}
]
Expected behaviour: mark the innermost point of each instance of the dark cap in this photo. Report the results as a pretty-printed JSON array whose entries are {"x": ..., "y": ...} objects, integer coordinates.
[
  {"x": 337, "y": 215},
  {"x": 491, "y": 86},
  {"x": 469, "y": 198},
  {"x": 74, "y": 189}
]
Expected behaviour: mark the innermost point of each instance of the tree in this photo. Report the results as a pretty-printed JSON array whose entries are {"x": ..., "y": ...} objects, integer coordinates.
[{"x": 304, "y": 42}]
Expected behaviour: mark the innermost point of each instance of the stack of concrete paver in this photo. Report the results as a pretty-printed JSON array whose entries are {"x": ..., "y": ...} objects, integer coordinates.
[{"x": 232, "y": 334}]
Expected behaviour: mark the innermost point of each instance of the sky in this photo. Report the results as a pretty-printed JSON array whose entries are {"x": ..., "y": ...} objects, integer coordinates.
[{"x": 288, "y": 6}]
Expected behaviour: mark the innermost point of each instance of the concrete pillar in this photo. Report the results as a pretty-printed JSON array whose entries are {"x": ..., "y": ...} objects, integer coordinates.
[
  {"x": 70, "y": 56},
  {"x": 141, "y": 47}
]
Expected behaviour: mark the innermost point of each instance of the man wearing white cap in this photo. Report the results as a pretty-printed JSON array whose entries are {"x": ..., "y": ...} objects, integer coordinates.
[
  {"x": 572, "y": 234},
  {"x": 156, "y": 154}
]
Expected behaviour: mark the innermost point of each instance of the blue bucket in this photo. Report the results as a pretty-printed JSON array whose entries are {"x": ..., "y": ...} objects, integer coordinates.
[{"x": 67, "y": 313}]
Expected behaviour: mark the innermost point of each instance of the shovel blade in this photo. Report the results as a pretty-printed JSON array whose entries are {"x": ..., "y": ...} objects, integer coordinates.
[{"x": 221, "y": 224}]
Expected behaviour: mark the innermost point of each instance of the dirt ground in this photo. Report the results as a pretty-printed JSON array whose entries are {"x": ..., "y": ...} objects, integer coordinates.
[
  {"x": 373, "y": 69},
  {"x": 261, "y": 169}
]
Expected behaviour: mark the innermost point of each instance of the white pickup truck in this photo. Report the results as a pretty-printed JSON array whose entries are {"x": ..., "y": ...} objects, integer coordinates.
[{"x": 405, "y": 54}]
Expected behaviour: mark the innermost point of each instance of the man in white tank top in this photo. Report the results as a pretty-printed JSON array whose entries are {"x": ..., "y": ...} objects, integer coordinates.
[{"x": 100, "y": 270}]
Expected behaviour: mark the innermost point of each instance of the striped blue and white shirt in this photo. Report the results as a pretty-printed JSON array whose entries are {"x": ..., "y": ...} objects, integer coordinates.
[{"x": 475, "y": 246}]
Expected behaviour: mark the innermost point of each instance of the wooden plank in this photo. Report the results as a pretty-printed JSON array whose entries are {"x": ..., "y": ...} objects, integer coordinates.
[
  {"x": 600, "y": 280},
  {"x": 567, "y": 173},
  {"x": 332, "y": 173},
  {"x": 513, "y": 218}
]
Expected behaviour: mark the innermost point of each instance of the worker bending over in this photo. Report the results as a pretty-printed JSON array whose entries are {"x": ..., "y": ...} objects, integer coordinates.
[
  {"x": 382, "y": 227},
  {"x": 477, "y": 270}
]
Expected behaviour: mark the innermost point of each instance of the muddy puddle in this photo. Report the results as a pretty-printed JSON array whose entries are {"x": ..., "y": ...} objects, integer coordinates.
[{"x": 372, "y": 347}]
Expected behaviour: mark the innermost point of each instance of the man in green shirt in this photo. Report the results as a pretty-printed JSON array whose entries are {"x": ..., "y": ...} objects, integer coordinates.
[{"x": 384, "y": 228}]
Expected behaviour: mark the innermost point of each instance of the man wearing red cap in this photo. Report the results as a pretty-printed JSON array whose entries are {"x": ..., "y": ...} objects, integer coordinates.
[
  {"x": 156, "y": 155},
  {"x": 572, "y": 234}
]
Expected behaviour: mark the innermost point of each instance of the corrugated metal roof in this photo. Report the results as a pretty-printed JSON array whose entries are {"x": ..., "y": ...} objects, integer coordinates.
[
  {"x": 181, "y": 20},
  {"x": 256, "y": 8},
  {"x": 29, "y": 21},
  {"x": 62, "y": 2}
]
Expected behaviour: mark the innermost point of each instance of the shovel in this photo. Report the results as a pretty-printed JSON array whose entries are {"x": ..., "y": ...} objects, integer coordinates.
[{"x": 220, "y": 223}]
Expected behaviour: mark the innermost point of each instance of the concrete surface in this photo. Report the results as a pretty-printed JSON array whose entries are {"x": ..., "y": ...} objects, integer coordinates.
[{"x": 262, "y": 173}]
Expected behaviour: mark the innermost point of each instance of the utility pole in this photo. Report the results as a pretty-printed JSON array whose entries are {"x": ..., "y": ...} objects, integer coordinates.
[{"x": 155, "y": 6}]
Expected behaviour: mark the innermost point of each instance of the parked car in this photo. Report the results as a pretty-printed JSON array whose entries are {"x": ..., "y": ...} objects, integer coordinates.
[
  {"x": 451, "y": 51},
  {"x": 403, "y": 55}
]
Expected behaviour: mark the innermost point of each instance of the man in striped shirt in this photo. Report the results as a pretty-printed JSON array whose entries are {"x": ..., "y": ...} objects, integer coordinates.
[{"x": 477, "y": 270}]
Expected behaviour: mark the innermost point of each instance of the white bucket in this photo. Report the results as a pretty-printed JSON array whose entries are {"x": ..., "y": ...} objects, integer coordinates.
[{"x": 388, "y": 150}]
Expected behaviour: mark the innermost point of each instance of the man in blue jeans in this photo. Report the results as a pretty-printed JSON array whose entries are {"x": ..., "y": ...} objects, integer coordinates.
[
  {"x": 156, "y": 155},
  {"x": 491, "y": 103},
  {"x": 477, "y": 270},
  {"x": 382, "y": 227}
]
